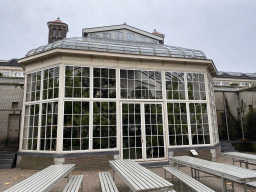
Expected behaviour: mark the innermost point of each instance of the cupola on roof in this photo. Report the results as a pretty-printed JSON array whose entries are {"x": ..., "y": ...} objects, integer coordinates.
[{"x": 107, "y": 45}]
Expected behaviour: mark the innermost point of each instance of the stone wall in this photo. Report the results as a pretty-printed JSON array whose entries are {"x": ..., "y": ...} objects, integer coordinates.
[{"x": 8, "y": 95}]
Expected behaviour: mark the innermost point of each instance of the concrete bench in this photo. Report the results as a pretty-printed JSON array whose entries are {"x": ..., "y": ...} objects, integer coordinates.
[
  {"x": 107, "y": 183},
  {"x": 44, "y": 180},
  {"x": 253, "y": 184},
  {"x": 186, "y": 179},
  {"x": 74, "y": 184}
]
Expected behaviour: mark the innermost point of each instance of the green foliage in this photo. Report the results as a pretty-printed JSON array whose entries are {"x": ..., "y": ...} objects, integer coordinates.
[
  {"x": 250, "y": 124},
  {"x": 77, "y": 86},
  {"x": 141, "y": 92},
  {"x": 234, "y": 128},
  {"x": 173, "y": 91}
]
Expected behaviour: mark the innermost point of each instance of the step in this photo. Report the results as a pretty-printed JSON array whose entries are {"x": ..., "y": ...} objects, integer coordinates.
[
  {"x": 233, "y": 150},
  {"x": 228, "y": 149},
  {"x": 7, "y": 156},
  {"x": 7, "y": 152},
  {"x": 225, "y": 144},
  {"x": 6, "y": 161},
  {"x": 6, "y": 166}
]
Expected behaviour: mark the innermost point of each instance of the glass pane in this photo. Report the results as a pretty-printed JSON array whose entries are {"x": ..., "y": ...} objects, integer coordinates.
[{"x": 137, "y": 84}]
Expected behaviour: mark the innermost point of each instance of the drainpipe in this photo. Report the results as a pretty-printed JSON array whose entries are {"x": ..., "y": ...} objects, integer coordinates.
[
  {"x": 241, "y": 115},
  {"x": 224, "y": 102}
]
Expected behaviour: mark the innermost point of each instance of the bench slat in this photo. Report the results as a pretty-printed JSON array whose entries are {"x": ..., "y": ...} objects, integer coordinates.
[
  {"x": 74, "y": 183},
  {"x": 107, "y": 183},
  {"x": 186, "y": 179},
  {"x": 43, "y": 180}
]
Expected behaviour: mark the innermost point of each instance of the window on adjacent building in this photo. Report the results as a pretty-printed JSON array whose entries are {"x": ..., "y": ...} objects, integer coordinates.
[
  {"x": 119, "y": 35},
  {"x": 244, "y": 84},
  {"x": 142, "y": 39},
  {"x": 5, "y": 73},
  {"x": 131, "y": 36},
  {"x": 59, "y": 32},
  {"x": 54, "y": 32},
  {"x": 15, "y": 105},
  {"x": 225, "y": 83},
  {"x": 106, "y": 35}
]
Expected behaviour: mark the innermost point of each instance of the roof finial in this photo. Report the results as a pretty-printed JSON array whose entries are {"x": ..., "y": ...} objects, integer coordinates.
[
  {"x": 154, "y": 30},
  {"x": 125, "y": 23},
  {"x": 58, "y": 18}
]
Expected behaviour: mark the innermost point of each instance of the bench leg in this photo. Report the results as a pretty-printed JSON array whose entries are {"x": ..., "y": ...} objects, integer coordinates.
[
  {"x": 165, "y": 174},
  {"x": 113, "y": 175},
  {"x": 82, "y": 186},
  {"x": 223, "y": 185},
  {"x": 181, "y": 187},
  {"x": 245, "y": 190},
  {"x": 247, "y": 166},
  {"x": 67, "y": 178}
]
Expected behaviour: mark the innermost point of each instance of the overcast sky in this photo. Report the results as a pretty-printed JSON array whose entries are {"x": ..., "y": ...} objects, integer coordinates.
[{"x": 225, "y": 30}]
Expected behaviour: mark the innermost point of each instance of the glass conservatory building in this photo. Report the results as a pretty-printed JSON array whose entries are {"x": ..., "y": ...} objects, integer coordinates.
[{"x": 86, "y": 96}]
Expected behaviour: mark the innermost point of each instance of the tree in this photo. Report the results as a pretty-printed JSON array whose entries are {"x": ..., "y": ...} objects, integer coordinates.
[{"x": 250, "y": 124}]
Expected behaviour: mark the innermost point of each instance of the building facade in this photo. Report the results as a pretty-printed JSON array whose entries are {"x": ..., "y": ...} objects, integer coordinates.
[
  {"x": 236, "y": 95},
  {"x": 11, "y": 102},
  {"x": 135, "y": 100}
]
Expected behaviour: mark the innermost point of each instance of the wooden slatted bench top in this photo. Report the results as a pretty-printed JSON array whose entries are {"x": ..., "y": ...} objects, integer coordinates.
[
  {"x": 107, "y": 183},
  {"x": 74, "y": 184},
  {"x": 189, "y": 181},
  {"x": 43, "y": 180},
  {"x": 138, "y": 178}
]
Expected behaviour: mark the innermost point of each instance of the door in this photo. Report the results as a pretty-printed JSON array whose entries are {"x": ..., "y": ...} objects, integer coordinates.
[
  {"x": 13, "y": 129},
  {"x": 142, "y": 131}
]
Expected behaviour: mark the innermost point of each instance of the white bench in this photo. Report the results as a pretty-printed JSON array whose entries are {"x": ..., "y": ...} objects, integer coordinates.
[
  {"x": 74, "y": 184},
  {"x": 44, "y": 180},
  {"x": 138, "y": 178},
  {"x": 107, "y": 183},
  {"x": 186, "y": 179}
]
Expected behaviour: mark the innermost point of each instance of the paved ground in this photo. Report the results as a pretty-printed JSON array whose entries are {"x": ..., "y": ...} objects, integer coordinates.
[{"x": 10, "y": 177}]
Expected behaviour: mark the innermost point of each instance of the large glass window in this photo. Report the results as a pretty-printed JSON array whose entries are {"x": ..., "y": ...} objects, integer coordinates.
[
  {"x": 175, "y": 85},
  {"x": 77, "y": 82},
  {"x": 104, "y": 83},
  {"x": 137, "y": 84},
  {"x": 49, "y": 123},
  {"x": 51, "y": 83},
  {"x": 76, "y": 125},
  {"x": 104, "y": 125},
  {"x": 199, "y": 123},
  {"x": 177, "y": 124},
  {"x": 213, "y": 110},
  {"x": 33, "y": 86},
  {"x": 196, "y": 86},
  {"x": 154, "y": 131},
  {"x": 30, "y": 130},
  {"x": 131, "y": 124}
]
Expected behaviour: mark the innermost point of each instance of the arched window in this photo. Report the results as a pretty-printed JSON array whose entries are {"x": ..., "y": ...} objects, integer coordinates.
[
  {"x": 59, "y": 32},
  {"x": 54, "y": 32}
]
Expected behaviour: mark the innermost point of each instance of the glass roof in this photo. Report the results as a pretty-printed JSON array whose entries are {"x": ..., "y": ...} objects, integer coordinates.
[{"x": 93, "y": 44}]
